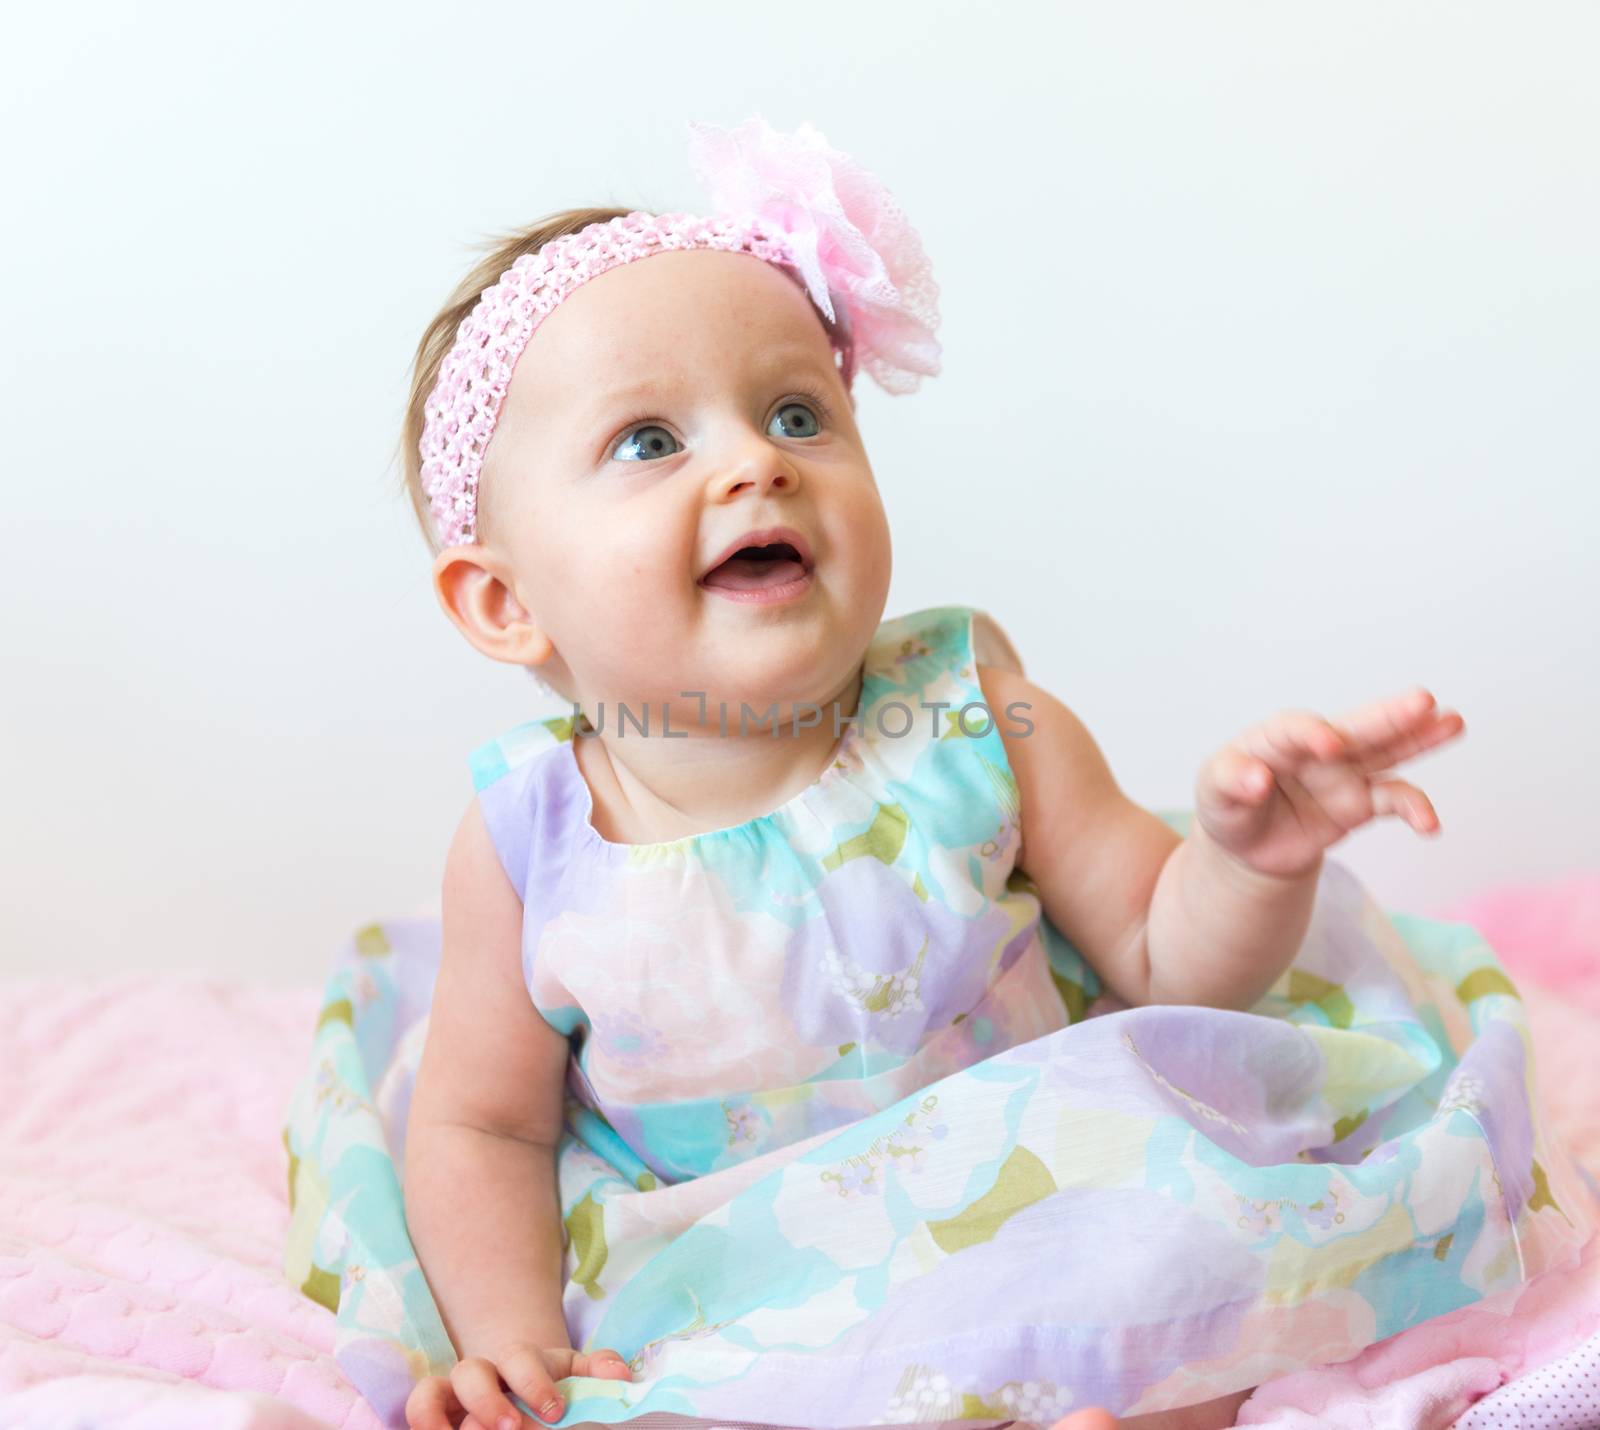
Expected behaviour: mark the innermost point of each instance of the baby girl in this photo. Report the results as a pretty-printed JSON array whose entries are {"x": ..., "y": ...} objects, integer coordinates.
[{"x": 820, "y": 1034}]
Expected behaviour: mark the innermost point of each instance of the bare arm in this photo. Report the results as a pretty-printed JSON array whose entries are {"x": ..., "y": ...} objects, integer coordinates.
[
  {"x": 1161, "y": 918},
  {"x": 1093, "y": 853},
  {"x": 1219, "y": 932},
  {"x": 481, "y": 1197}
]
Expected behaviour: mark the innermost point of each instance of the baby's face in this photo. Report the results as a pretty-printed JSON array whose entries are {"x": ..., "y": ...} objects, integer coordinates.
[{"x": 663, "y": 412}]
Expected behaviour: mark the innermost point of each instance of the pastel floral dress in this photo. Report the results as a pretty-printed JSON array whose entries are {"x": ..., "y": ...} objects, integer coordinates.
[{"x": 855, "y": 1136}]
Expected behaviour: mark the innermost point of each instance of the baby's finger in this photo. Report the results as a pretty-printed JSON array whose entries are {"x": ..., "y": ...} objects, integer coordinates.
[
  {"x": 1383, "y": 722},
  {"x": 1440, "y": 726},
  {"x": 527, "y": 1372},
  {"x": 602, "y": 1362},
  {"x": 477, "y": 1383},
  {"x": 1408, "y": 802},
  {"x": 431, "y": 1405},
  {"x": 1291, "y": 739},
  {"x": 1244, "y": 777}
]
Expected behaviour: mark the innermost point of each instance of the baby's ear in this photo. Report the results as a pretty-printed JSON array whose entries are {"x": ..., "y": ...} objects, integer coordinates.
[{"x": 475, "y": 589}]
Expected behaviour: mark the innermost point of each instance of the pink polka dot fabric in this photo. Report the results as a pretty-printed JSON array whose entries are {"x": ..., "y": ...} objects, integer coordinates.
[{"x": 1563, "y": 1395}]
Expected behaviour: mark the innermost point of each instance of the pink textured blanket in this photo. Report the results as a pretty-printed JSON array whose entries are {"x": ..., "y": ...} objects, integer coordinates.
[
  {"x": 143, "y": 1200},
  {"x": 143, "y": 1197}
]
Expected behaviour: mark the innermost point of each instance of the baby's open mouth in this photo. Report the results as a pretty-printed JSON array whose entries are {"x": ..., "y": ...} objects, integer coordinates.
[{"x": 756, "y": 568}]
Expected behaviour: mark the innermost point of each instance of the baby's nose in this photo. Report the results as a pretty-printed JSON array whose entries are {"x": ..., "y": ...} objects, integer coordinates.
[{"x": 761, "y": 470}]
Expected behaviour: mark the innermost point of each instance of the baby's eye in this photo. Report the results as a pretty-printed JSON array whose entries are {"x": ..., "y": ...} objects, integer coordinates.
[
  {"x": 806, "y": 416},
  {"x": 651, "y": 446}
]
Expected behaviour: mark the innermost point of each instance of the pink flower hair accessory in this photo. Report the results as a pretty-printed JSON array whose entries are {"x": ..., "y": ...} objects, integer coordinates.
[
  {"x": 851, "y": 240},
  {"x": 788, "y": 199}
]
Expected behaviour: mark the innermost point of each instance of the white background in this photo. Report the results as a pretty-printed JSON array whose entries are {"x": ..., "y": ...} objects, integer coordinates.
[{"x": 1271, "y": 334}]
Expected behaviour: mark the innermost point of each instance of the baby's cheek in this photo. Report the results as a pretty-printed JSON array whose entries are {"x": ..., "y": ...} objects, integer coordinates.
[
  {"x": 617, "y": 565},
  {"x": 863, "y": 540},
  {"x": 868, "y": 517},
  {"x": 648, "y": 543}
]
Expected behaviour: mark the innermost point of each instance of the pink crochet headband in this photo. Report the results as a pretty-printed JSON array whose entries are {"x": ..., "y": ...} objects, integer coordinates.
[{"x": 785, "y": 198}]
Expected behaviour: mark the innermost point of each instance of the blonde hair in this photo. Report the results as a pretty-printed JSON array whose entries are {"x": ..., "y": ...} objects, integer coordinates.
[
  {"x": 501, "y": 251},
  {"x": 439, "y": 336}
]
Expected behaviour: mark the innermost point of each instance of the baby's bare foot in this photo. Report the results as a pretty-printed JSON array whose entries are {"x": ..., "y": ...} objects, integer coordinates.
[{"x": 1208, "y": 1415}]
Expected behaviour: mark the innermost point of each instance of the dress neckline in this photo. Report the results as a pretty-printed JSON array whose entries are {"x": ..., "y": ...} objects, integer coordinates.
[{"x": 832, "y": 771}]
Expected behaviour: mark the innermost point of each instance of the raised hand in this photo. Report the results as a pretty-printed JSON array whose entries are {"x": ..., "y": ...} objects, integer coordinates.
[
  {"x": 1295, "y": 784},
  {"x": 476, "y": 1387}
]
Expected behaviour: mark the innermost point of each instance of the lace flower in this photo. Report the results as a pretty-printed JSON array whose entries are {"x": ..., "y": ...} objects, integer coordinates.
[{"x": 852, "y": 243}]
